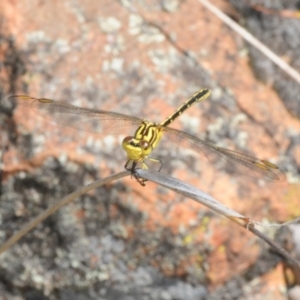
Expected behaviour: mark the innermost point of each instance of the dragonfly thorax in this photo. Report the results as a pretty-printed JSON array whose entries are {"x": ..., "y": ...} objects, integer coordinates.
[{"x": 144, "y": 141}]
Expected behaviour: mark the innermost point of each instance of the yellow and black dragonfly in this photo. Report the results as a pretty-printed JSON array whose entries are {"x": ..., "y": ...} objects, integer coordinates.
[{"x": 148, "y": 135}]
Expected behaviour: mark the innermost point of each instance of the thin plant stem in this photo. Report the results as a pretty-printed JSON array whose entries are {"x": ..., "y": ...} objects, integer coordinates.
[
  {"x": 252, "y": 40},
  {"x": 66, "y": 200}
]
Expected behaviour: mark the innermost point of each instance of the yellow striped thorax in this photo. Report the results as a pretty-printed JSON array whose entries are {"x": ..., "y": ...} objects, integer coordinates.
[{"x": 145, "y": 140}]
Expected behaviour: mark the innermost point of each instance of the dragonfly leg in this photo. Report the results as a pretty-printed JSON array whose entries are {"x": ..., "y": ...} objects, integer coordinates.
[
  {"x": 157, "y": 161},
  {"x": 133, "y": 172}
]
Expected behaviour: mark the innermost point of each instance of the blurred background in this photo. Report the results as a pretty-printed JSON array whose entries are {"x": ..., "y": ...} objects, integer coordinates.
[{"x": 144, "y": 58}]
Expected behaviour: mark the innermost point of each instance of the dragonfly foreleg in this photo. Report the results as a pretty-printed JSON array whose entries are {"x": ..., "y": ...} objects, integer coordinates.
[{"x": 132, "y": 169}]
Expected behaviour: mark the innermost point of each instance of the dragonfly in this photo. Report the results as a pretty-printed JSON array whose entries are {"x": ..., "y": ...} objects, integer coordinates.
[{"x": 147, "y": 135}]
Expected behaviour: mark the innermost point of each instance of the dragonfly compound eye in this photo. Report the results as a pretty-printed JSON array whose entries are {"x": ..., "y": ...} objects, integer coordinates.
[
  {"x": 127, "y": 140},
  {"x": 144, "y": 144},
  {"x": 131, "y": 141}
]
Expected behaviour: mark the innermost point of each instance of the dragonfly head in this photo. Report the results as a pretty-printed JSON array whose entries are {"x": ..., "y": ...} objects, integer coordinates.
[{"x": 136, "y": 149}]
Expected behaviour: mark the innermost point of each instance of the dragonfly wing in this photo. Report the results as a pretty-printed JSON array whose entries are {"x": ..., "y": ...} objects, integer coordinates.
[
  {"x": 231, "y": 161},
  {"x": 102, "y": 122}
]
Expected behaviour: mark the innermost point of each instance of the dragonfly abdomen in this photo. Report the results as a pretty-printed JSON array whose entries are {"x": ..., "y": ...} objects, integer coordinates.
[{"x": 197, "y": 97}]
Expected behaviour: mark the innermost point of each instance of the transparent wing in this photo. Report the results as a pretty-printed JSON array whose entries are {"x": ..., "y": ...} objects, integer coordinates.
[
  {"x": 99, "y": 121},
  {"x": 229, "y": 160}
]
